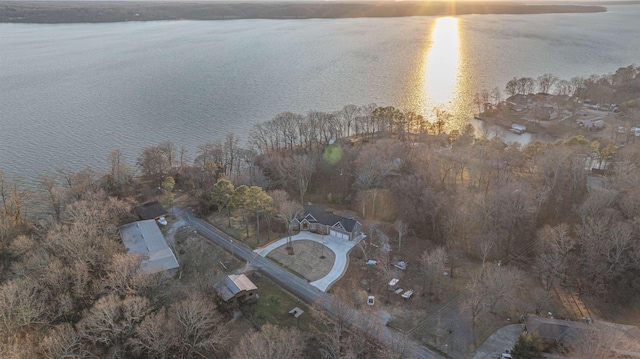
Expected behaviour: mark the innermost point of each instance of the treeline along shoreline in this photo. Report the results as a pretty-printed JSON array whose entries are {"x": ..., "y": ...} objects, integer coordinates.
[{"x": 118, "y": 11}]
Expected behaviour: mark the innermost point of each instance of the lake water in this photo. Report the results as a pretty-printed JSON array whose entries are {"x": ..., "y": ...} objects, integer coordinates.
[{"x": 71, "y": 93}]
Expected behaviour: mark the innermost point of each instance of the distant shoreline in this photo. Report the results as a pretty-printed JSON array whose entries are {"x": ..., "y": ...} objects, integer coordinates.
[{"x": 54, "y": 12}]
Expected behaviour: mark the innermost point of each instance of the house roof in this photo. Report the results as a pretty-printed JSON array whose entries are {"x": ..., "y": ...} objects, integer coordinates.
[
  {"x": 568, "y": 332},
  {"x": 562, "y": 331},
  {"x": 150, "y": 210},
  {"x": 233, "y": 284},
  {"x": 319, "y": 214},
  {"x": 628, "y": 336},
  {"x": 518, "y": 99},
  {"x": 145, "y": 238}
]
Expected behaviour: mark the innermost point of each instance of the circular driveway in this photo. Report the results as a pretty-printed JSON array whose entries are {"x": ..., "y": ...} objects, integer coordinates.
[{"x": 339, "y": 246}]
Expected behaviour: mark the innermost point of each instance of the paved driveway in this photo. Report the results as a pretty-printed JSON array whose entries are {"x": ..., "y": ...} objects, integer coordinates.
[
  {"x": 297, "y": 285},
  {"x": 340, "y": 248}
]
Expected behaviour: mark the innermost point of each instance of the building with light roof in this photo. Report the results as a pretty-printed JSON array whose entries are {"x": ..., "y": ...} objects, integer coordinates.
[{"x": 145, "y": 239}]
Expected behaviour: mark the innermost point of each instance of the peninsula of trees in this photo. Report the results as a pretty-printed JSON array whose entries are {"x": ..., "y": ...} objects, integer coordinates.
[{"x": 111, "y": 11}]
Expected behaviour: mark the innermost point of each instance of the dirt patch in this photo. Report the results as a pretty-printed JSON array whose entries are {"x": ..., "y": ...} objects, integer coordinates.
[{"x": 306, "y": 259}]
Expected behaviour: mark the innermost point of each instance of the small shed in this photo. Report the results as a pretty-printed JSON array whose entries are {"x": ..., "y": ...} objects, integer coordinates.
[
  {"x": 150, "y": 210},
  {"x": 236, "y": 288},
  {"x": 393, "y": 284}
]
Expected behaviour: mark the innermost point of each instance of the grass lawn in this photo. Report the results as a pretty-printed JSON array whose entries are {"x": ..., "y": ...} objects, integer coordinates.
[
  {"x": 202, "y": 262},
  {"x": 274, "y": 305},
  {"x": 239, "y": 232}
]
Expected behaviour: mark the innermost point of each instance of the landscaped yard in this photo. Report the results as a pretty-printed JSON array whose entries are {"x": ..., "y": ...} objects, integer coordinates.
[{"x": 306, "y": 260}]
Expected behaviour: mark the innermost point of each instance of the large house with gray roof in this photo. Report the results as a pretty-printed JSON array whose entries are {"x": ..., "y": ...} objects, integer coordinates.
[{"x": 316, "y": 218}]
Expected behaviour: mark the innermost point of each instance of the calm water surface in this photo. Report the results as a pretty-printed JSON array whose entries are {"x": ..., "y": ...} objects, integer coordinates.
[{"x": 71, "y": 93}]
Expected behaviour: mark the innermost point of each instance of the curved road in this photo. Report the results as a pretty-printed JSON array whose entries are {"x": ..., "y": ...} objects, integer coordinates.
[{"x": 291, "y": 282}]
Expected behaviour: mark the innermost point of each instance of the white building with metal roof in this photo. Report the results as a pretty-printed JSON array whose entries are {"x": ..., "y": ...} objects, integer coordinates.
[{"x": 144, "y": 238}]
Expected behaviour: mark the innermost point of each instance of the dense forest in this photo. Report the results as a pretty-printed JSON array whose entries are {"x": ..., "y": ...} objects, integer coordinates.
[{"x": 68, "y": 288}]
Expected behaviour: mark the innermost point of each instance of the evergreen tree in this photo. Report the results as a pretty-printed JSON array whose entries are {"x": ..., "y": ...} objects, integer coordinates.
[{"x": 528, "y": 346}]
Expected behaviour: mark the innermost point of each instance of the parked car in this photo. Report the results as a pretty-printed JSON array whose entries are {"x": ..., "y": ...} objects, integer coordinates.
[{"x": 162, "y": 221}]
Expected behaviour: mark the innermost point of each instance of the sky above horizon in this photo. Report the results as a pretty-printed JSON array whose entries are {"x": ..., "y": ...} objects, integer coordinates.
[{"x": 293, "y": 1}]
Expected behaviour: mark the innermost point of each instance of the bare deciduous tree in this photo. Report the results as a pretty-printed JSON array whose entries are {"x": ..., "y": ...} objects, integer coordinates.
[
  {"x": 489, "y": 286},
  {"x": 270, "y": 342},
  {"x": 545, "y": 82},
  {"x": 119, "y": 172},
  {"x": 485, "y": 244},
  {"x": 198, "y": 327},
  {"x": 54, "y": 194},
  {"x": 122, "y": 269},
  {"x": 301, "y": 168},
  {"x": 191, "y": 328},
  {"x": 402, "y": 229},
  {"x": 601, "y": 340},
  {"x": 432, "y": 264},
  {"x": 13, "y": 196},
  {"x": 154, "y": 336},
  {"x": 156, "y": 160},
  {"x": 63, "y": 341},
  {"x": 111, "y": 321},
  {"x": 374, "y": 165},
  {"x": 556, "y": 243},
  {"x": 20, "y": 305},
  {"x": 287, "y": 210}
]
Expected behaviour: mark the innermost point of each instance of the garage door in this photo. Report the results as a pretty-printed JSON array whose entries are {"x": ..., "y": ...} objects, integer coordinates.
[{"x": 338, "y": 234}]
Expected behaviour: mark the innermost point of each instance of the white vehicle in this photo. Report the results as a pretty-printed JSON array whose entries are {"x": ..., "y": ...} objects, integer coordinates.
[{"x": 162, "y": 221}]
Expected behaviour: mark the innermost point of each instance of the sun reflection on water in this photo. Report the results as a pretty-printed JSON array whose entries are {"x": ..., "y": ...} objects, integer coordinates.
[
  {"x": 439, "y": 83},
  {"x": 442, "y": 62}
]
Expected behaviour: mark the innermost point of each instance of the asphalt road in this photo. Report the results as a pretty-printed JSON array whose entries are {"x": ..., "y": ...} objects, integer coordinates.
[{"x": 296, "y": 285}]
